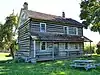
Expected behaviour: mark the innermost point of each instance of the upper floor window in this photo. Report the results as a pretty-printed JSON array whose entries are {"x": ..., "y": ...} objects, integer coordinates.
[
  {"x": 66, "y": 30},
  {"x": 42, "y": 27},
  {"x": 71, "y": 30},
  {"x": 23, "y": 17}
]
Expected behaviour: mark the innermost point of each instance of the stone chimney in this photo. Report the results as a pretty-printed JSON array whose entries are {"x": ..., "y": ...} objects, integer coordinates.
[
  {"x": 63, "y": 14},
  {"x": 25, "y": 6}
]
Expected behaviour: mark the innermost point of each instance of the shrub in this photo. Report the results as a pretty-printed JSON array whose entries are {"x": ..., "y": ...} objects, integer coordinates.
[
  {"x": 19, "y": 60},
  {"x": 98, "y": 51},
  {"x": 87, "y": 49}
]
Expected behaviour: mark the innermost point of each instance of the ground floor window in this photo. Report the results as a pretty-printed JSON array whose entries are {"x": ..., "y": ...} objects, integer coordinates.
[
  {"x": 49, "y": 45},
  {"x": 66, "y": 45},
  {"x": 43, "y": 46},
  {"x": 74, "y": 46}
]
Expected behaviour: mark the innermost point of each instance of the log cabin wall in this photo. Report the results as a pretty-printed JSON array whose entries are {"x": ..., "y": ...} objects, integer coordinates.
[
  {"x": 24, "y": 39},
  {"x": 52, "y": 28}
]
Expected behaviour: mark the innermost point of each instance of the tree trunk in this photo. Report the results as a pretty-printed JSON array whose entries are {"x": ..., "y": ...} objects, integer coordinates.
[{"x": 11, "y": 52}]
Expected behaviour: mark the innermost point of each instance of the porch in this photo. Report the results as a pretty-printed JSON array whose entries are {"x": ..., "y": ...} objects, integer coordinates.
[
  {"x": 50, "y": 56},
  {"x": 43, "y": 50},
  {"x": 57, "y": 46}
]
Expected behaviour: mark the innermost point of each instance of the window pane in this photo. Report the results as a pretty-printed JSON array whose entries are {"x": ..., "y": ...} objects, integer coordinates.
[
  {"x": 66, "y": 45},
  {"x": 65, "y": 30},
  {"x": 43, "y": 46},
  {"x": 49, "y": 45},
  {"x": 72, "y": 30},
  {"x": 42, "y": 27},
  {"x": 76, "y": 46}
]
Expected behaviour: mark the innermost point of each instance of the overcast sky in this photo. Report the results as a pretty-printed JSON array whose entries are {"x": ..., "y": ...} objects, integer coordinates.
[{"x": 55, "y": 7}]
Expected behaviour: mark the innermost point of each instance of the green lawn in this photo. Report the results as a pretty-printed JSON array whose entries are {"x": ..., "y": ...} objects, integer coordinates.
[
  {"x": 58, "y": 67},
  {"x": 2, "y": 56}
]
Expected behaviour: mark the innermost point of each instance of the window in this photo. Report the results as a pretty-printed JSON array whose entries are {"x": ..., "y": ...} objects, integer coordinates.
[
  {"x": 42, "y": 45},
  {"x": 23, "y": 18},
  {"x": 49, "y": 45},
  {"x": 66, "y": 45},
  {"x": 71, "y": 30},
  {"x": 42, "y": 27},
  {"x": 74, "y": 46},
  {"x": 65, "y": 30}
]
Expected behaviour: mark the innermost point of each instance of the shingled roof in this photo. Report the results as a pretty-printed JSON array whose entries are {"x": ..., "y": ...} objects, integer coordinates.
[
  {"x": 43, "y": 16},
  {"x": 58, "y": 37}
]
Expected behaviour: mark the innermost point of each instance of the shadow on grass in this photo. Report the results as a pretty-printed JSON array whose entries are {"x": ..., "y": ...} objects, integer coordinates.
[
  {"x": 5, "y": 61},
  {"x": 57, "y": 67}
]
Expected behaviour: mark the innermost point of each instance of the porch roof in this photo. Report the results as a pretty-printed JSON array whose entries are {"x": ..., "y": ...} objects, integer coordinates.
[{"x": 58, "y": 37}]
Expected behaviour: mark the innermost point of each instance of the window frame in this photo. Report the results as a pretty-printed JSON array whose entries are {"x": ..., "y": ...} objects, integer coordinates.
[
  {"x": 41, "y": 46},
  {"x": 68, "y": 30},
  {"x": 76, "y": 30},
  {"x": 77, "y": 46},
  {"x": 41, "y": 26},
  {"x": 73, "y": 46},
  {"x": 65, "y": 45}
]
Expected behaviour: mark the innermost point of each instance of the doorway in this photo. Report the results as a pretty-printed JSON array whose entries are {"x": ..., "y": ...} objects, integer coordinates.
[{"x": 56, "y": 49}]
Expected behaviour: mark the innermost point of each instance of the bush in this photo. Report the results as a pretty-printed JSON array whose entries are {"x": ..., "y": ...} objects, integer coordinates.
[
  {"x": 19, "y": 60},
  {"x": 98, "y": 51},
  {"x": 87, "y": 49}
]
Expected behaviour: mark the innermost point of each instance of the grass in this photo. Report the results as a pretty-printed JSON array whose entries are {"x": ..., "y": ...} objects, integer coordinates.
[
  {"x": 2, "y": 56},
  {"x": 58, "y": 67}
]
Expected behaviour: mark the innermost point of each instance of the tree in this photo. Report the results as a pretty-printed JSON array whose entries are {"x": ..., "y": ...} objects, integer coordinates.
[
  {"x": 1, "y": 36},
  {"x": 8, "y": 33},
  {"x": 90, "y": 14}
]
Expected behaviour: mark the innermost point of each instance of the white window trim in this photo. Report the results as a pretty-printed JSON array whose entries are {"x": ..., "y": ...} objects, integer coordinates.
[
  {"x": 64, "y": 29},
  {"x": 68, "y": 30},
  {"x": 45, "y": 46},
  {"x": 40, "y": 27},
  {"x": 76, "y": 31}
]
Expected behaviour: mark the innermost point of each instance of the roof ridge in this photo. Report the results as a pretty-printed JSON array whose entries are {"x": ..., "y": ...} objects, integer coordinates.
[
  {"x": 50, "y": 17},
  {"x": 45, "y": 13}
]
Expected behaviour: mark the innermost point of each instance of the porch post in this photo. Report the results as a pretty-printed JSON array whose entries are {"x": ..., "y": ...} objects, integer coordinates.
[
  {"x": 34, "y": 49},
  {"x": 53, "y": 52}
]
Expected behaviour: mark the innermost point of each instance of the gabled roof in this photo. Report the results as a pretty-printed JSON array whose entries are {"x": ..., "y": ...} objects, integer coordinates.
[
  {"x": 58, "y": 37},
  {"x": 43, "y": 16}
]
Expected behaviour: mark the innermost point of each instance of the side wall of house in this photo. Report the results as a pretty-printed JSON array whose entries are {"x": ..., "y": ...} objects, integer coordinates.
[{"x": 24, "y": 40}]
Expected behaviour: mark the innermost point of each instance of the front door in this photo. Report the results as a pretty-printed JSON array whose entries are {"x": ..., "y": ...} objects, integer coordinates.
[{"x": 56, "y": 49}]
